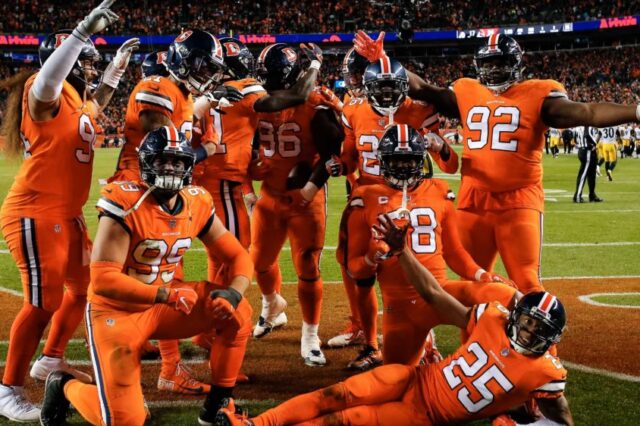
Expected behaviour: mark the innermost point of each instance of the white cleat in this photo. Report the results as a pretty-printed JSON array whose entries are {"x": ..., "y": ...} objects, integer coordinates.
[
  {"x": 352, "y": 335},
  {"x": 46, "y": 364},
  {"x": 14, "y": 406},
  {"x": 311, "y": 352},
  {"x": 271, "y": 317}
]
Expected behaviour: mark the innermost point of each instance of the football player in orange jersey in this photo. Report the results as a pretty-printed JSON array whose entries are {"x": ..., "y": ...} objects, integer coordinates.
[
  {"x": 409, "y": 194},
  {"x": 145, "y": 227},
  {"x": 50, "y": 121},
  {"x": 504, "y": 118},
  {"x": 195, "y": 65},
  {"x": 503, "y": 364},
  {"x": 295, "y": 143},
  {"x": 365, "y": 119}
]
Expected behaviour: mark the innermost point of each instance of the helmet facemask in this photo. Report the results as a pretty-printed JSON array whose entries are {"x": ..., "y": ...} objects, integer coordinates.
[
  {"x": 167, "y": 172},
  {"x": 386, "y": 94},
  {"x": 498, "y": 71},
  {"x": 200, "y": 74},
  {"x": 531, "y": 332},
  {"x": 402, "y": 168}
]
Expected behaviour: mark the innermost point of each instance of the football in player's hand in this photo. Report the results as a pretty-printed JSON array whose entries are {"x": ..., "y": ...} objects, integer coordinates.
[{"x": 299, "y": 176}]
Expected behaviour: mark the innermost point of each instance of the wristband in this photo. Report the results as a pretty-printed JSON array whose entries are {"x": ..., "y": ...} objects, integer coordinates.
[
  {"x": 478, "y": 275},
  {"x": 315, "y": 65},
  {"x": 112, "y": 76}
]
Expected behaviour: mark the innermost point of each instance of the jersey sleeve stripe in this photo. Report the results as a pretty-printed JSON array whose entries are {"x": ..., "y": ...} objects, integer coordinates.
[
  {"x": 356, "y": 202},
  {"x": 480, "y": 310},
  {"x": 345, "y": 121},
  {"x": 252, "y": 89},
  {"x": 557, "y": 94},
  {"x": 154, "y": 99},
  {"x": 555, "y": 386},
  {"x": 111, "y": 207},
  {"x": 429, "y": 121}
]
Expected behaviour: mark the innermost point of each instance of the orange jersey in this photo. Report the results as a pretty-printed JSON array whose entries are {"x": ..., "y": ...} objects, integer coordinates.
[
  {"x": 485, "y": 376},
  {"x": 235, "y": 127},
  {"x": 503, "y": 138},
  {"x": 364, "y": 126},
  {"x": 432, "y": 234},
  {"x": 159, "y": 239},
  {"x": 54, "y": 180},
  {"x": 154, "y": 94},
  {"x": 286, "y": 139}
]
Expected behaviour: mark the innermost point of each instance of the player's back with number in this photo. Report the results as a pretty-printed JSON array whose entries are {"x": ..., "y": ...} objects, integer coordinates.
[
  {"x": 55, "y": 177},
  {"x": 486, "y": 376},
  {"x": 503, "y": 133},
  {"x": 159, "y": 238},
  {"x": 157, "y": 94},
  {"x": 286, "y": 139}
]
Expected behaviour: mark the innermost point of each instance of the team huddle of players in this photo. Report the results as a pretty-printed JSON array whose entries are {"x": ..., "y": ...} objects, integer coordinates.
[{"x": 199, "y": 128}]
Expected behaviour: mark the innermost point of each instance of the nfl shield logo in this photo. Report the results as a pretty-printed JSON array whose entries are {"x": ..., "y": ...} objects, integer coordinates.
[
  {"x": 382, "y": 122},
  {"x": 504, "y": 352},
  {"x": 57, "y": 228},
  {"x": 172, "y": 223}
]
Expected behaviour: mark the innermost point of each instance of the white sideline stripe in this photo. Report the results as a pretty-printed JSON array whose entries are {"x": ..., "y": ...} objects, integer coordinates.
[
  {"x": 599, "y": 371},
  {"x": 587, "y": 298},
  {"x": 592, "y": 277},
  {"x": 198, "y": 403},
  {"x": 88, "y": 363},
  {"x": 73, "y": 341},
  {"x": 593, "y": 211}
]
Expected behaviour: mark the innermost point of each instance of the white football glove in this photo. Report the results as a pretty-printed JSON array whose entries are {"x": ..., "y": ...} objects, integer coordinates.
[
  {"x": 99, "y": 19},
  {"x": 118, "y": 66},
  {"x": 250, "y": 200}
]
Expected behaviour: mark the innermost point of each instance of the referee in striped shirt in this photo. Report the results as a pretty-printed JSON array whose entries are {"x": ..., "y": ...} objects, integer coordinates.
[{"x": 586, "y": 138}]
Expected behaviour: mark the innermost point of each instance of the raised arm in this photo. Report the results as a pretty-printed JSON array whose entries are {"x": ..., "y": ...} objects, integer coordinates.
[
  {"x": 114, "y": 72},
  {"x": 44, "y": 95},
  {"x": 450, "y": 310},
  {"x": 562, "y": 113},
  {"x": 442, "y": 98}
]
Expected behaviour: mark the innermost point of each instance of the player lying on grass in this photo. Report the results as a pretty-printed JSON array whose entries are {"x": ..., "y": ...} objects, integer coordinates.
[
  {"x": 144, "y": 230},
  {"x": 504, "y": 363}
]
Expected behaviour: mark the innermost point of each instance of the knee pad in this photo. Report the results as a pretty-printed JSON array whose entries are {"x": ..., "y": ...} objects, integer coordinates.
[
  {"x": 265, "y": 269},
  {"x": 123, "y": 361},
  {"x": 307, "y": 263}
]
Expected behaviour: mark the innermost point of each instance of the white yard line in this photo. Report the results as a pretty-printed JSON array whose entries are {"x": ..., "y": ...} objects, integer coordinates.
[
  {"x": 588, "y": 299},
  {"x": 601, "y": 372}
]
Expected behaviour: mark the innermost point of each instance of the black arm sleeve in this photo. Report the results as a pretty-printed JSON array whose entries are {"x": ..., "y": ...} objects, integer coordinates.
[{"x": 327, "y": 136}]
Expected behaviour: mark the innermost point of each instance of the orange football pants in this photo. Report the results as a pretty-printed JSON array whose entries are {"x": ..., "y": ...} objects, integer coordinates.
[
  {"x": 406, "y": 322},
  {"x": 51, "y": 255},
  {"x": 116, "y": 337},
  {"x": 273, "y": 222},
  {"x": 516, "y": 234},
  {"x": 387, "y": 395}
]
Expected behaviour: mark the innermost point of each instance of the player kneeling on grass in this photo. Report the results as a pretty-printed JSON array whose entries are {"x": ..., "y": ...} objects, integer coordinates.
[
  {"x": 144, "y": 230},
  {"x": 504, "y": 363}
]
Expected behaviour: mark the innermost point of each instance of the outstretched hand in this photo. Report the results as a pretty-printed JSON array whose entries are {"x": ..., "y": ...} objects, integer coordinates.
[
  {"x": 386, "y": 230},
  {"x": 371, "y": 49}
]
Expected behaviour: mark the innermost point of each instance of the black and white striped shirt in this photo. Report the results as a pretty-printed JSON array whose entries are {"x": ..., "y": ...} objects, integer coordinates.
[{"x": 585, "y": 136}]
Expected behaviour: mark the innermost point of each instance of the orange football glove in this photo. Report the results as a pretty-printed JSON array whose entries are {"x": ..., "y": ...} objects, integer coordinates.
[
  {"x": 258, "y": 169},
  {"x": 367, "y": 47},
  {"x": 327, "y": 98},
  {"x": 491, "y": 277},
  {"x": 295, "y": 198},
  {"x": 224, "y": 303},
  {"x": 182, "y": 299},
  {"x": 378, "y": 252}
]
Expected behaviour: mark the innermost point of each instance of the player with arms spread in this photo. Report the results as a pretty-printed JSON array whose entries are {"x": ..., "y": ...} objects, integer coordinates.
[
  {"x": 50, "y": 122},
  {"x": 504, "y": 118},
  {"x": 145, "y": 228},
  {"x": 295, "y": 142},
  {"x": 504, "y": 363}
]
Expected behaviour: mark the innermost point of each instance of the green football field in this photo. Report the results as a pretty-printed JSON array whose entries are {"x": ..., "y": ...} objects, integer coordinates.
[{"x": 587, "y": 240}]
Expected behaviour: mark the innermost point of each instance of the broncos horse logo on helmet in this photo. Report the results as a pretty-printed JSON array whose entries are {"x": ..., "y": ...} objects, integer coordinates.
[
  {"x": 402, "y": 157},
  {"x": 278, "y": 67},
  {"x": 238, "y": 58},
  {"x": 166, "y": 160},
  {"x": 498, "y": 62},
  {"x": 386, "y": 84},
  {"x": 154, "y": 64},
  {"x": 353, "y": 67},
  {"x": 195, "y": 58},
  {"x": 84, "y": 71},
  {"x": 536, "y": 323}
]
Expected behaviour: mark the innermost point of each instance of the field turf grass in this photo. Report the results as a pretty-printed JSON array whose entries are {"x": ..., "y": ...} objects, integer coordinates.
[{"x": 587, "y": 240}]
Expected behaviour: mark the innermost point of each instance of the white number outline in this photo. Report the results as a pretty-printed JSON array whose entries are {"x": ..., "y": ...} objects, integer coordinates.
[
  {"x": 287, "y": 145},
  {"x": 498, "y": 129},
  {"x": 418, "y": 229},
  {"x": 369, "y": 155},
  {"x": 173, "y": 257},
  {"x": 88, "y": 135}
]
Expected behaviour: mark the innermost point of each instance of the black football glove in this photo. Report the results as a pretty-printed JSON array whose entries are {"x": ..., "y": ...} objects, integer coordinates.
[
  {"x": 231, "y": 94},
  {"x": 310, "y": 52},
  {"x": 387, "y": 231},
  {"x": 231, "y": 295}
]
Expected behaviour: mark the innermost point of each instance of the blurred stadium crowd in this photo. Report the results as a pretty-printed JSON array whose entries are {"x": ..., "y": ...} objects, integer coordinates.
[
  {"x": 615, "y": 79},
  {"x": 314, "y": 16}
]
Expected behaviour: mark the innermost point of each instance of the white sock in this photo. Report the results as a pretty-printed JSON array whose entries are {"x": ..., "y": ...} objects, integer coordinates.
[
  {"x": 269, "y": 298},
  {"x": 309, "y": 331}
]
